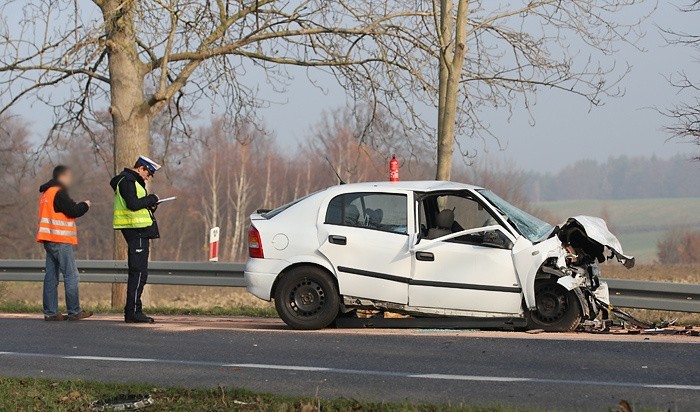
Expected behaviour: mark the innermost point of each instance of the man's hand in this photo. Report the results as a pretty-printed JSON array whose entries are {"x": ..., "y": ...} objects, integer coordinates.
[
  {"x": 89, "y": 203},
  {"x": 154, "y": 206}
]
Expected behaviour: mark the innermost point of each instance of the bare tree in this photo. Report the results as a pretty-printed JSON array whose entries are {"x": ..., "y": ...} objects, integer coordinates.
[
  {"x": 140, "y": 57},
  {"x": 679, "y": 246},
  {"x": 465, "y": 56},
  {"x": 686, "y": 116},
  {"x": 14, "y": 149}
]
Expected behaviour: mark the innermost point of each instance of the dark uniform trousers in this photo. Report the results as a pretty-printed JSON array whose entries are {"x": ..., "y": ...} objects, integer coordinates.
[{"x": 138, "y": 275}]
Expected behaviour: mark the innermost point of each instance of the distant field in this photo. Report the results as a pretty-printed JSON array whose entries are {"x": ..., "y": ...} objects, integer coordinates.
[{"x": 638, "y": 223}]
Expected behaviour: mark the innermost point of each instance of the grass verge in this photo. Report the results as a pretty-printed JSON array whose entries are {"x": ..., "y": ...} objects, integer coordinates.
[
  {"x": 20, "y": 394},
  {"x": 20, "y": 307}
]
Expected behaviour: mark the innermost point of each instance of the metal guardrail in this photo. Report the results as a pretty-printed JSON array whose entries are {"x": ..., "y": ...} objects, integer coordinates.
[
  {"x": 115, "y": 271},
  {"x": 677, "y": 297},
  {"x": 680, "y": 297}
]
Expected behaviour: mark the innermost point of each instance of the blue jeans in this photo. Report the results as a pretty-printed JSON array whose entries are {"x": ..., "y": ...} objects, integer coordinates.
[{"x": 60, "y": 259}]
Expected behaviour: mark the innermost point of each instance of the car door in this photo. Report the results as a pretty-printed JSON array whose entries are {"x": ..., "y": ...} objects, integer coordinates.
[
  {"x": 465, "y": 264},
  {"x": 365, "y": 237}
]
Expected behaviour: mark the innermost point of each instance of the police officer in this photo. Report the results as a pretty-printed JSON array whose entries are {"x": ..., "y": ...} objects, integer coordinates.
[{"x": 133, "y": 215}]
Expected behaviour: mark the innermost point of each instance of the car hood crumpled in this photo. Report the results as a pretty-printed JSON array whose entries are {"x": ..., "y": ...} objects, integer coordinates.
[{"x": 597, "y": 230}]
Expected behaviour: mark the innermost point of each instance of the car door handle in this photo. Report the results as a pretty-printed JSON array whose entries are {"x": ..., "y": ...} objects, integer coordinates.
[
  {"x": 425, "y": 256},
  {"x": 338, "y": 240}
]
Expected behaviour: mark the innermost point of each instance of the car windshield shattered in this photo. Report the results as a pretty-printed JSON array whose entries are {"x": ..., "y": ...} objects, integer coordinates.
[{"x": 529, "y": 226}]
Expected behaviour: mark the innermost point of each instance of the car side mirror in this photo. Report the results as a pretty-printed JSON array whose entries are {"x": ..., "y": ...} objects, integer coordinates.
[{"x": 496, "y": 238}]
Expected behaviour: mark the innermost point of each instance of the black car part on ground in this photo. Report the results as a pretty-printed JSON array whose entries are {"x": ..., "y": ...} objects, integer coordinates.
[{"x": 627, "y": 317}]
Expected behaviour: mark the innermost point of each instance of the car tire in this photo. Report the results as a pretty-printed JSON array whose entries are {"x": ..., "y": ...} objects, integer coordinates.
[
  {"x": 306, "y": 297},
  {"x": 558, "y": 309}
]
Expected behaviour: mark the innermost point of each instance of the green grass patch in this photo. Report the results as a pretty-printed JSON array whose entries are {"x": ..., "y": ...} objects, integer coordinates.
[
  {"x": 19, "y": 307},
  {"x": 19, "y": 394}
]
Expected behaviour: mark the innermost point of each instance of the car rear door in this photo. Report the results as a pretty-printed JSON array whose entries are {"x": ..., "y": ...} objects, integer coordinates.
[
  {"x": 365, "y": 237},
  {"x": 467, "y": 266}
]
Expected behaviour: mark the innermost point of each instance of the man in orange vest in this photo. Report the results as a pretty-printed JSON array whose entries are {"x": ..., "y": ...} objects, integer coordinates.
[{"x": 58, "y": 233}]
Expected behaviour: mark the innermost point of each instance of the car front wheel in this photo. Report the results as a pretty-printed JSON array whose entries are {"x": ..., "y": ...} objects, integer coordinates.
[
  {"x": 558, "y": 309},
  {"x": 306, "y": 298}
]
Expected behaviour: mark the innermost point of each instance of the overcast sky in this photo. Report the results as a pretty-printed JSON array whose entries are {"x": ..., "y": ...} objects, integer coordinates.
[{"x": 565, "y": 130}]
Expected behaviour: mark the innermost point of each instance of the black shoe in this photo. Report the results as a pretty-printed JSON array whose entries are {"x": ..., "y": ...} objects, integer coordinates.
[
  {"x": 82, "y": 315},
  {"x": 139, "y": 318}
]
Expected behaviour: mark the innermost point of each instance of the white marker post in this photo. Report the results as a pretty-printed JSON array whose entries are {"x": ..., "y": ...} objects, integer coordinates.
[{"x": 214, "y": 244}]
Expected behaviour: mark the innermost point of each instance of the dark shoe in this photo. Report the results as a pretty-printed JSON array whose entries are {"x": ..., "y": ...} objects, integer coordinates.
[
  {"x": 81, "y": 315},
  {"x": 55, "y": 318},
  {"x": 139, "y": 318}
]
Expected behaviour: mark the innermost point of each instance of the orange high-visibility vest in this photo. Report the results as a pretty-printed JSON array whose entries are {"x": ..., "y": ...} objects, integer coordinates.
[{"x": 54, "y": 226}]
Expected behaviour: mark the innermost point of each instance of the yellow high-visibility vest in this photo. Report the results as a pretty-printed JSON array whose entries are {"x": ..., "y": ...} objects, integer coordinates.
[{"x": 125, "y": 218}]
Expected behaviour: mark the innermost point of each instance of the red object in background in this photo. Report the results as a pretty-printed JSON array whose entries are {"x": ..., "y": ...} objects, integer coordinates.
[
  {"x": 214, "y": 244},
  {"x": 393, "y": 169},
  {"x": 214, "y": 252}
]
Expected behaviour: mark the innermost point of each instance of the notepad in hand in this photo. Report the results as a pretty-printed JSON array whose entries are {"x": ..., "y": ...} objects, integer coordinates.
[{"x": 167, "y": 199}]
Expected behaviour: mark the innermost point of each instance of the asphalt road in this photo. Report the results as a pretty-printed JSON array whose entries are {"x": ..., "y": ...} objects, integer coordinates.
[{"x": 549, "y": 371}]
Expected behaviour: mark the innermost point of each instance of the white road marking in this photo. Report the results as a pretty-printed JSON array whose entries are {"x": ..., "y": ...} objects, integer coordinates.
[
  {"x": 110, "y": 358},
  {"x": 301, "y": 368},
  {"x": 277, "y": 367},
  {"x": 688, "y": 387},
  {"x": 470, "y": 378}
]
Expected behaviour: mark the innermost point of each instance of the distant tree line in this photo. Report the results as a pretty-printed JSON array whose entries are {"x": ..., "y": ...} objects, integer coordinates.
[
  {"x": 618, "y": 178},
  {"x": 221, "y": 174}
]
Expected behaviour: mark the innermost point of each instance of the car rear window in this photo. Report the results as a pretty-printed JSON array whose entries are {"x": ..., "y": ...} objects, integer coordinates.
[
  {"x": 378, "y": 211},
  {"x": 275, "y": 212}
]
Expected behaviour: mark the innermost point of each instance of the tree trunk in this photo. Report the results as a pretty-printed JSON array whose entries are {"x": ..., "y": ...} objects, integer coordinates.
[
  {"x": 444, "y": 151},
  {"x": 130, "y": 115},
  {"x": 453, "y": 39}
]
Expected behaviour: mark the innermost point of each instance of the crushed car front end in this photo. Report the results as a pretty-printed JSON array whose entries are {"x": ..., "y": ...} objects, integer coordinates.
[
  {"x": 558, "y": 266},
  {"x": 563, "y": 272}
]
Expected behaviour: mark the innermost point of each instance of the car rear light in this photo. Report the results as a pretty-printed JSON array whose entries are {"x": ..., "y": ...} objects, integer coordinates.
[{"x": 255, "y": 249}]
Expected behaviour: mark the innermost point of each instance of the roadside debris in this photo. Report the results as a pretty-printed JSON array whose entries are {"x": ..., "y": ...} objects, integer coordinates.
[
  {"x": 127, "y": 402},
  {"x": 624, "y": 406},
  {"x": 626, "y": 323}
]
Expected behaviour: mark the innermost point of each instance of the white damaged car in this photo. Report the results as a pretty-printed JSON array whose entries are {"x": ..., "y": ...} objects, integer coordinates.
[{"x": 427, "y": 249}]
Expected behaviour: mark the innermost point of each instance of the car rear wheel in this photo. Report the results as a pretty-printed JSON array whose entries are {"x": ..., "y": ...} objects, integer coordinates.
[
  {"x": 306, "y": 298},
  {"x": 558, "y": 309}
]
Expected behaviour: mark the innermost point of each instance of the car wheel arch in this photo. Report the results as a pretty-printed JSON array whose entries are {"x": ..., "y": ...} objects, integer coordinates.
[
  {"x": 301, "y": 264},
  {"x": 544, "y": 277},
  {"x": 529, "y": 261}
]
